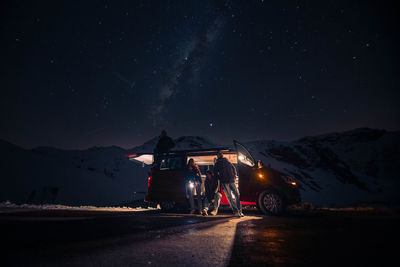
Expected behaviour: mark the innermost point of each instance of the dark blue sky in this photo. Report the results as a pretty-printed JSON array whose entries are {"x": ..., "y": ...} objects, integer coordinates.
[{"x": 77, "y": 74}]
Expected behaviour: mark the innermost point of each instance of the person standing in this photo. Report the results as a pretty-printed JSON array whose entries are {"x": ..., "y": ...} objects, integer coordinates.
[
  {"x": 193, "y": 185},
  {"x": 164, "y": 144},
  {"x": 225, "y": 172}
]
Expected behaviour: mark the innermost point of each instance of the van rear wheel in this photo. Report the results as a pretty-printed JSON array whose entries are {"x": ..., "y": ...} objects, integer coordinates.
[
  {"x": 271, "y": 203},
  {"x": 167, "y": 205}
]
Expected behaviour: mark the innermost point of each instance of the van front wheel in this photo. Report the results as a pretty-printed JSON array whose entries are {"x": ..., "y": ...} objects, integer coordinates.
[
  {"x": 167, "y": 205},
  {"x": 271, "y": 203}
]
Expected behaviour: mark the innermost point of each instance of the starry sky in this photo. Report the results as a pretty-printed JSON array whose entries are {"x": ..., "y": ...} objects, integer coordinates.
[{"x": 77, "y": 74}]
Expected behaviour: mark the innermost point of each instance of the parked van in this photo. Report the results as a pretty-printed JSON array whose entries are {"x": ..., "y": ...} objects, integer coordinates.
[{"x": 268, "y": 189}]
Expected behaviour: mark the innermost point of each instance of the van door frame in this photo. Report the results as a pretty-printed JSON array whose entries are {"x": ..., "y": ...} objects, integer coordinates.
[{"x": 247, "y": 174}]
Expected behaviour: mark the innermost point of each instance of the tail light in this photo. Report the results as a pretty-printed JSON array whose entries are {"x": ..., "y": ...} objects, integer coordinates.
[{"x": 148, "y": 182}]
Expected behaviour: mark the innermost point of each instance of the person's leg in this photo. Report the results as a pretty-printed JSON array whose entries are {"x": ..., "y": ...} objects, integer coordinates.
[
  {"x": 217, "y": 202},
  {"x": 205, "y": 204},
  {"x": 191, "y": 200},
  {"x": 199, "y": 201},
  {"x": 236, "y": 193},
  {"x": 228, "y": 194},
  {"x": 217, "y": 199}
]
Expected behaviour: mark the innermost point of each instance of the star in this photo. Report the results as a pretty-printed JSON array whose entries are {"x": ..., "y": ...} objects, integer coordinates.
[{"x": 187, "y": 60}]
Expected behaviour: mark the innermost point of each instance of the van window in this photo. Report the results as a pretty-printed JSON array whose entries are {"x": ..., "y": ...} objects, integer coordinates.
[
  {"x": 210, "y": 159},
  {"x": 244, "y": 155},
  {"x": 246, "y": 159},
  {"x": 170, "y": 162}
]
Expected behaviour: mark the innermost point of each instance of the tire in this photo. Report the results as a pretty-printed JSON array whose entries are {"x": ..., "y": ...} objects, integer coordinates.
[
  {"x": 271, "y": 203},
  {"x": 167, "y": 205}
]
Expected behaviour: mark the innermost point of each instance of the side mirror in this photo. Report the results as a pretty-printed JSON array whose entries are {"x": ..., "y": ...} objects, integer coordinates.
[{"x": 259, "y": 164}]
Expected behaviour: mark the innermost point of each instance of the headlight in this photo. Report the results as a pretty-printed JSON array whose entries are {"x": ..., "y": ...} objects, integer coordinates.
[
  {"x": 290, "y": 180},
  {"x": 191, "y": 184}
]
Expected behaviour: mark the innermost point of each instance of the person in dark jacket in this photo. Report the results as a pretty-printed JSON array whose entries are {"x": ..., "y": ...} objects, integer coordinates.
[
  {"x": 225, "y": 172},
  {"x": 165, "y": 143},
  {"x": 193, "y": 184},
  {"x": 209, "y": 186}
]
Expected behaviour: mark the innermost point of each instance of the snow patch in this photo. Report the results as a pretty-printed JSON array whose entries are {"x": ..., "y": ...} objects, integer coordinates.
[{"x": 22, "y": 207}]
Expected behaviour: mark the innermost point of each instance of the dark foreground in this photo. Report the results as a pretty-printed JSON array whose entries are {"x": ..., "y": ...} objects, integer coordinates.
[{"x": 300, "y": 238}]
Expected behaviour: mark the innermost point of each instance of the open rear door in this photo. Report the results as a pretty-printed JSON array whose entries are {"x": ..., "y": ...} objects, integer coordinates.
[
  {"x": 247, "y": 171},
  {"x": 144, "y": 159}
]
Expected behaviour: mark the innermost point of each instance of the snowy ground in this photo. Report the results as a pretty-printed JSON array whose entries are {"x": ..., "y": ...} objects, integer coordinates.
[{"x": 8, "y": 206}]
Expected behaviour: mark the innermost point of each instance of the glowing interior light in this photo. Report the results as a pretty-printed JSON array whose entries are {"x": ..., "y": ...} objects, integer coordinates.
[
  {"x": 293, "y": 183},
  {"x": 241, "y": 157},
  {"x": 260, "y": 175}
]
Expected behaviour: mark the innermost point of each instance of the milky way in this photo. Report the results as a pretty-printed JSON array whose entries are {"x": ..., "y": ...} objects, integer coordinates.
[
  {"x": 100, "y": 73},
  {"x": 189, "y": 62}
]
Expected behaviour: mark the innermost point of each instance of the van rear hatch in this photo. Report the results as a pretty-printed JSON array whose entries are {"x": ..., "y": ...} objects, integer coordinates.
[{"x": 144, "y": 158}]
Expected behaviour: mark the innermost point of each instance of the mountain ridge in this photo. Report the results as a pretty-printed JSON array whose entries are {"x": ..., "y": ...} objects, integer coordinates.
[{"x": 359, "y": 165}]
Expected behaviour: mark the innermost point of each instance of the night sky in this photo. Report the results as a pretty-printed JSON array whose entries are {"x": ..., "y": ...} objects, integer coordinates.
[{"x": 76, "y": 74}]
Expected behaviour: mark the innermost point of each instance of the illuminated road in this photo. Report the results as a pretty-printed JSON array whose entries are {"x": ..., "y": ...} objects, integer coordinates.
[{"x": 156, "y": 239}]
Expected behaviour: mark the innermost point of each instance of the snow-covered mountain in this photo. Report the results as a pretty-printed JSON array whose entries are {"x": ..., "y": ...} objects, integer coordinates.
[
  {"x": 341, "y": 168},
  {"x": 96, "y": 176}
]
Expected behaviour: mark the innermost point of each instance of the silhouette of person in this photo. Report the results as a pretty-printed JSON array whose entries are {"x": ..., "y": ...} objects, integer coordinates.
[{"x": 165, "y": 143}]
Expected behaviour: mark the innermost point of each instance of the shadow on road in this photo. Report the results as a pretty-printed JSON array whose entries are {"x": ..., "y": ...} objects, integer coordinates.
[{"x": 311, "y": 239}]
